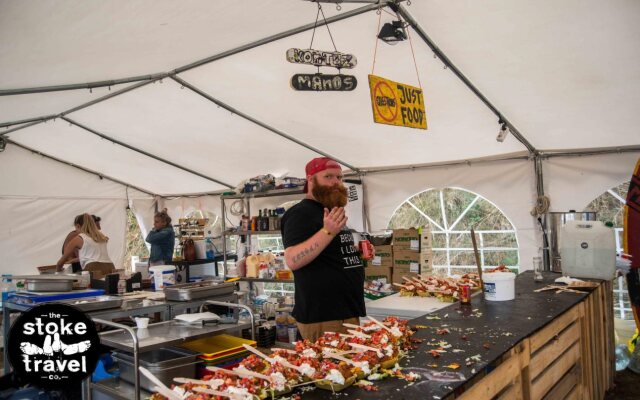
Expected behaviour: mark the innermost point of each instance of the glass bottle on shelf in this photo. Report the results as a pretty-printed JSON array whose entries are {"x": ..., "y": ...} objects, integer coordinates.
[
  {"x": 265, "y": 220},
  {"x": 177, "y": 252},
  {"x": 259, "y": 224}
]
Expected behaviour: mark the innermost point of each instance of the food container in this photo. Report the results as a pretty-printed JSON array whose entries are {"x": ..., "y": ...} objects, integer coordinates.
[
  {"x": 164, "y": 363},
  {"x": 163, "y": 276},
  {"x": 94, "y": 303},
  {"x": 48, "y": 285},
  {"x": 197, "y": 290},
  {"x": 588, "y": 250},
  {"x": 499, "y": 286}
]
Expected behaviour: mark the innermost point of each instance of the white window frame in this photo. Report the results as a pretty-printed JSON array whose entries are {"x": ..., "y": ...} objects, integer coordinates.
[{"x": 449, "y": 230}]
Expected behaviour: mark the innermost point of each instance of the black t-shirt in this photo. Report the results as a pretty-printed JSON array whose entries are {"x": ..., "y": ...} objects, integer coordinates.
[{"x": 331, "y": 287}]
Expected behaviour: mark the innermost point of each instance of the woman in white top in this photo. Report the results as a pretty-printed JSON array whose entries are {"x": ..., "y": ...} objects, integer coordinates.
[{"x": 91, "y": 245}]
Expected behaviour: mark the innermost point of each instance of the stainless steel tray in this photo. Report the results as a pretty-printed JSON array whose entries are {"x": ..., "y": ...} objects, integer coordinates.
[
  {"x": 164, "y": 363},
  {"x": 48, "y": 285},
  {"x": 197, "y": 290},
  {"x": 94, "y": 303}
]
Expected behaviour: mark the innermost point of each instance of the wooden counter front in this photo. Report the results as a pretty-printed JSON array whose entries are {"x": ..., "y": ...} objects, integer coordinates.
[{"x": 570, "y": 358}]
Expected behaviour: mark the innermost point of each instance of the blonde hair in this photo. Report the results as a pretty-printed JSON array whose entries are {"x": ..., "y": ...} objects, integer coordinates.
[{"x": 90, "y": 229}]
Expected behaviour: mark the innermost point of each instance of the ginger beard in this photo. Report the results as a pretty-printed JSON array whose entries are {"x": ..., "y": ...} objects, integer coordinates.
[{"x": 329, "y": 196}]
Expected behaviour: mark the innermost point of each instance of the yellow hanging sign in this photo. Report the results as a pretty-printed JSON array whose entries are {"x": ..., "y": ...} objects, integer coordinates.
[{"x": 395, "y": 103}]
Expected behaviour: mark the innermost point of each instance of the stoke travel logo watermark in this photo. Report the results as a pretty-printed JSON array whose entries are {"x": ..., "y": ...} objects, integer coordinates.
[{"x": 53, "y": 346}]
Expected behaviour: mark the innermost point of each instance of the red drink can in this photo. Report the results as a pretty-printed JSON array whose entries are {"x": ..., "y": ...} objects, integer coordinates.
[
  {"x": 365, "y": 249},
  {"x": 465, "y": 294}
]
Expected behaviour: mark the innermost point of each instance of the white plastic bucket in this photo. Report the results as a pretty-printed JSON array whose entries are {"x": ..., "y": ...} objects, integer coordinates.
[
  {"x": 163, "y": 275},
  {"x": 499, "y": 286}
]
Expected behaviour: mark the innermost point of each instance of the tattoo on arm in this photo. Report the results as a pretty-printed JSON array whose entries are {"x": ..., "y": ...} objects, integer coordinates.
[{"x": 305, "y": 252}]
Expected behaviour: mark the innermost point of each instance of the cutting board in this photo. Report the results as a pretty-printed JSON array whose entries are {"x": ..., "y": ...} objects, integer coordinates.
[{"x": 404, "y": 307}]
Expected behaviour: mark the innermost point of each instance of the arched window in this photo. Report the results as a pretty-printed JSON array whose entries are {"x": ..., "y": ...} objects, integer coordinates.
[
  {"x": 451, "y": 213},
  {"x": 609, "y": 207}
]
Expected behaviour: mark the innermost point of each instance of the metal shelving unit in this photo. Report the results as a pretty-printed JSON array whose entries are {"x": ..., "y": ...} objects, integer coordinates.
[
  {"x": 266, "y": 280},
  {"x": 157, "y": 335},
  {"x": 246, "y": 198}
]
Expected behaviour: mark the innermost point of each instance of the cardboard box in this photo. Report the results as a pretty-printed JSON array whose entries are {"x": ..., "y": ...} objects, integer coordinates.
[
  {"x": 426, "y": 238},
  {"x": 426, "y": 264},
  {"x": 406, "y": 239},
  {"x": 406, "y": 259},
  {"x": 372, "y": 273},
  {"x": 398, "y": 274},
  {"x": 384, "y": 257}
]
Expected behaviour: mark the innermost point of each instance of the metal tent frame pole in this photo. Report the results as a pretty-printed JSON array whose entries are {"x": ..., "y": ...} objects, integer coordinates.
[
  {"x": 372, "y": 5},
  {"x": 70, "y": 164},
  {"x": 257, "y": 122},
  {"x": 76, "y": 86},
  {"x": 150, "y": 155},
  {"x": 589, "y": 152},
  {"x": 384, "y": 170},
  {"x": 80, "y": 107},
  {"x": 24, "y": 121},
  {"x": 447, "y": 62}
]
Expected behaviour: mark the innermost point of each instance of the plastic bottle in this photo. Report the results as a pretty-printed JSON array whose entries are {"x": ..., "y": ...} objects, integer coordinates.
[
  {"x": 122, "y": 287},
  {"x": 4, "y": 287},
  {"x": 8, "y": 287},
  {"x": 210, "y": 250}
]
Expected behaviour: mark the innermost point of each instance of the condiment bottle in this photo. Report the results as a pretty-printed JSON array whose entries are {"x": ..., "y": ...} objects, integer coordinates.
[{"x": 122, "y": 287}]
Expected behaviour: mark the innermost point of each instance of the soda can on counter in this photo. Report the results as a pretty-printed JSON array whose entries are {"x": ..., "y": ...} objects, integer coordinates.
[
  {"x": 366, "y": 249},
  {"x": 465, "y": 294}
]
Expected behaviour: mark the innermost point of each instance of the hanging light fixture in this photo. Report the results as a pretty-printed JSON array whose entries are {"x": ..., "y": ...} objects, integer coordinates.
[
  {"x": 393, "y": 32},
  {"x": 504, "y": 131}
]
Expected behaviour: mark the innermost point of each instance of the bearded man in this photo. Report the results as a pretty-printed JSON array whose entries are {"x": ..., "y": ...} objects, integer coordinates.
[{"x": 327, "y": 268}]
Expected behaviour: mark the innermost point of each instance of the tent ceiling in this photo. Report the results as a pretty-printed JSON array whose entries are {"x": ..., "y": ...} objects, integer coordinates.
[
  {"x": 77, "y": 146},
  {"x": 566, "y": 75},
  {"x": 72, "y": 41},
  {"x": 178, "y": 124},
  {"x": 16, "y": 108}
]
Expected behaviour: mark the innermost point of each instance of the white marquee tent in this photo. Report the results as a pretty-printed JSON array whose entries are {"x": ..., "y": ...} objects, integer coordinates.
[{"x": 109, "y": 102}]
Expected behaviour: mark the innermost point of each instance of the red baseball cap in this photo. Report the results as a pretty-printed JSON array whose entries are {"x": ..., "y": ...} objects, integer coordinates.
[{"x": 316, "y": 165}]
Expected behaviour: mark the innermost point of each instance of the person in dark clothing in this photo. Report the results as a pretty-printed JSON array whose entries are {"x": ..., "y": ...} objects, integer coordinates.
[
  {"x": 162, "y": 239},
  {"x": 327, "y": 267}
]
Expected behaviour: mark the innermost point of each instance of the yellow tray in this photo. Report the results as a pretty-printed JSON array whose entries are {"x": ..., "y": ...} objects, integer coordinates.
[{"x": 217, "y": 346}]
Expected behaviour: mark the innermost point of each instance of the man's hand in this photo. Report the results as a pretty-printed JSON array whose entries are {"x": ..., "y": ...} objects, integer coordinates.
[{"x": 334, "y": 220}]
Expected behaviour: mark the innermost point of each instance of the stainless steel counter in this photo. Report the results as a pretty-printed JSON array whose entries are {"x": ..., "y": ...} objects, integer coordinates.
[{"x": 164, "y": 334}]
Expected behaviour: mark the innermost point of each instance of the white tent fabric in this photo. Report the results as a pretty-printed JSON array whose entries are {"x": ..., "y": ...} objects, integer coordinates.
[
  {"x": 39, "y": 199},
  {"x": 566, "y": 75},
  {"x": 576, "y": 181}
]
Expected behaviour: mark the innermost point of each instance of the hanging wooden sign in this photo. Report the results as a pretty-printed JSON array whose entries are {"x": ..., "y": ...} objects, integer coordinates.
[
  {"x": 395, "y": 103},
  {"x": 321, "y": 58},
  {"x": 324, "y": 83}
]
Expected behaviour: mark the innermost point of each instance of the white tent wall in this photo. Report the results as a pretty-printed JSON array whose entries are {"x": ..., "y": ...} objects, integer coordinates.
[
  {"x": 560, "y": 84},
  {"x": 144, "y": 210},
  {"x": 573, "y": 182},
  {"x": 510, "y": 185},
  {"x": 39, "y": 199}
]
